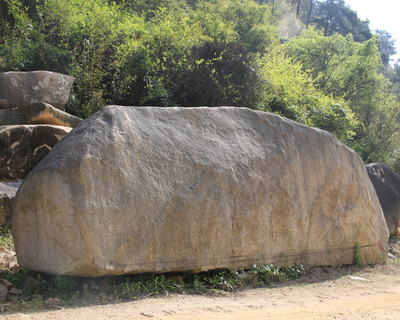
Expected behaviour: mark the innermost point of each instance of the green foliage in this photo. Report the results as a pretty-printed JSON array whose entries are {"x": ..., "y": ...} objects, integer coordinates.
[
  {"x": 215, "y": 52},
  {"x": 224, "y": 280},
  {"x": 335, "y": 17},
  {"x": 75, "y": 291},
  {"x": 293, "y": 94},
  {"x": 348, "y": 70},
  {"x": 267, "y": 274},
  {"x": 253, "y": 24},
  {"x": 386, "y": 45},
  {"x": 357, "y": 258},
  {"x": 16, "y": 277},
  {"x": 339, "y": 65},
  {"x": 215, "y": 74},
  {"x": 6, "y": 241}
]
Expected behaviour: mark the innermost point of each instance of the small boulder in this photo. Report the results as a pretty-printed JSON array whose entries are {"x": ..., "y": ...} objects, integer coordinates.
[
  {"x": 38, "y": 113},
  {"x": 23, "y": 147},
  {"x": 134, "y": 190},
  {"x": 6, "y": 257},
  {"x": 30, "y": 284},
  {"x": 7, "y": 195},
  {"x": 387, "y": 186},
  {"x": 52, "y": 303},
  {"x": 3, "y": 293},
  {"x": 19, "y": 89},
  {"x": 7, "y": 284}
]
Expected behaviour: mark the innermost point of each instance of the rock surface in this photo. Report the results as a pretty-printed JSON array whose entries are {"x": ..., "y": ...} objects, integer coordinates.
[
  {"x": 134, "y": 190},
  {"x": 23, "y": 147},
  {"x": 19, "y": 89},
  {"x": 8, "y": 259},
  {"x": 38, "y": 113},
  {"x": 7, "y": 195},
  {"x": 387, "y": 186}
]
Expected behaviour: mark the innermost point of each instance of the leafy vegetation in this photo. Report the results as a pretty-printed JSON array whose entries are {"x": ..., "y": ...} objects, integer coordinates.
[
  {"x": 74, "y": 291},
  {"x": 335, "y": 74},
  {"x": 357, "y": 258},
  {"x": 38, "y": 288},
  {"x": 6, "y": 240}
]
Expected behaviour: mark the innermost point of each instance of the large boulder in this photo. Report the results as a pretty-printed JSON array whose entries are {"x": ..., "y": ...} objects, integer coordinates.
[
  {"x": 387, "y": 186},
  {"x": 7, "y": 195},
  {"x": 19, "y": 89},
  {"x": 23, "y": 147},
  {"x": 38, "y": 113},
  {"x": 134, "y": 190}
]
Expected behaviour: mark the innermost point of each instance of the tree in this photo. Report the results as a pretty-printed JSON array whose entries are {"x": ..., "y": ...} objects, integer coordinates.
[
  {"x": 386, "y": 45},
  {"x": 310, "y": 10},
  {"x": 214, "y": 74},
  {"x": 291, "y": 92},
  {"x": 334, "y": 16},
  {"x": 339, "y": 65},
  {"x": 346, "y": 69}
]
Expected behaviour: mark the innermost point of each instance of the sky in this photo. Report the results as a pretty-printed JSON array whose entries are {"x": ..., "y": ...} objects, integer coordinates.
[{"x": 382, "y": 14}]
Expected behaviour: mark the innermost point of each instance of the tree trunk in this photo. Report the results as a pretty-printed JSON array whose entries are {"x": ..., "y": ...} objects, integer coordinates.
[
  {"x": 309, "y": 13},
  {"x": 298, "y": 8}
]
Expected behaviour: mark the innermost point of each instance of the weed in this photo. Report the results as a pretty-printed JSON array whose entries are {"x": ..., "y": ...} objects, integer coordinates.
[
  {"x": 268, "y": 274},
  {"x": 224, "y": 279},
  {"x": 357, "y": 258},
  {"x": 6, "y": 240},
  {"x": 393, "y": 237},
  {"x": 76, "y": 291}
]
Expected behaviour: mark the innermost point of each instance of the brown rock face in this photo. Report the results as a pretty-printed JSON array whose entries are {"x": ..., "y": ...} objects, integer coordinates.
[
  {"x": 134, "y": 190},
  {"x": 23, "y": 147},
  {"x": 19, "y": 89},
  {"x": 38, "y": 113},
  {"x": 387, "y": 186}
]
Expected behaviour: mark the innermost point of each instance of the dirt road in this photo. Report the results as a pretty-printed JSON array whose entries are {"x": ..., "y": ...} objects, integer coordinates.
[{"x": 373, "y": 293}]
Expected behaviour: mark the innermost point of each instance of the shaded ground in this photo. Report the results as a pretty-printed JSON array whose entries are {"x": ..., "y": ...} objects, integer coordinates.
[{"x": 324, "y": 293}]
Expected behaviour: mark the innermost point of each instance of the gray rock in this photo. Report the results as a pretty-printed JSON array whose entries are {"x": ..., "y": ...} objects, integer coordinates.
[
  {"x": 30, "y": 284},
  {"x": 51, "y": 303},
  {"x": 6, "y": 257},
  {"x": 23, "y": 147},
  {"x": 7, "y": 195},
  {"x": 3, "y": 293},
  {"x": 387, "y": 186},
  {"x": 19, "y": 89},
  {"x": 7, "y": 284},
  {"x": 38, "y": 113},
  {"x": 134, "y": 190}
]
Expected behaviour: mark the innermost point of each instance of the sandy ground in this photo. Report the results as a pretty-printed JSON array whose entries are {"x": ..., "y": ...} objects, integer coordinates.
[{"x": 373, "y": 293}]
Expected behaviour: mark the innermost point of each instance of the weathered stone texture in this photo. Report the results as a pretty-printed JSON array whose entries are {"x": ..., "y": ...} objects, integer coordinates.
[
  {"x": 7, "y": 195},
  {"x": 387, "y": 186},
  {"x": 134, "y": 190},
  {"x": 23, "y": 147},
  {"x": 38, "y": 113},
  {"x": 19, "y": 89}
]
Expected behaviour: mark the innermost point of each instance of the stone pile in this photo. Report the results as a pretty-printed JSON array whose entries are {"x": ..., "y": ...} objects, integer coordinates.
[
  {"x": 7, "y": 287},
  {"x": 32, "y": 121}
]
